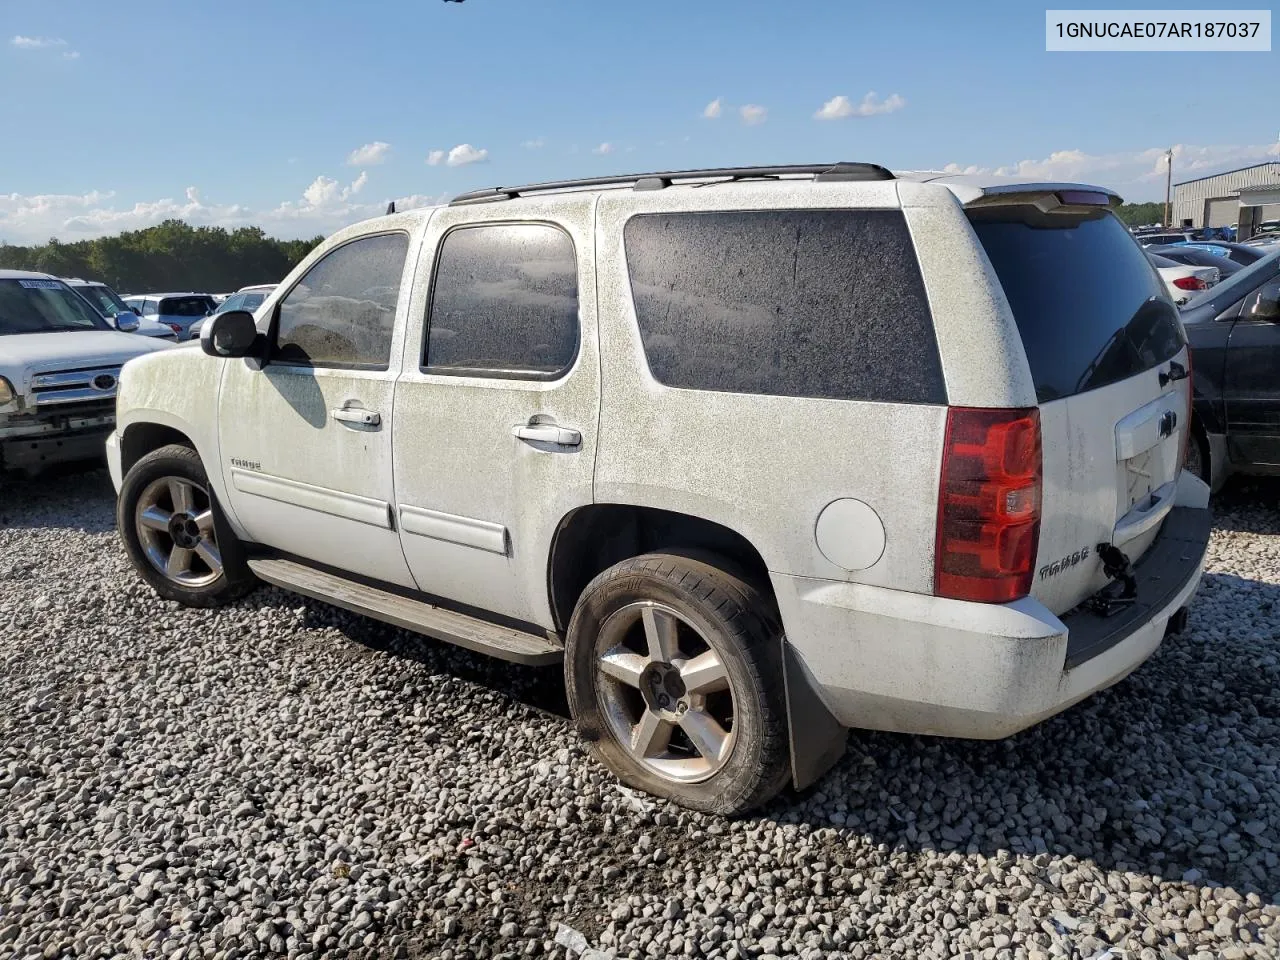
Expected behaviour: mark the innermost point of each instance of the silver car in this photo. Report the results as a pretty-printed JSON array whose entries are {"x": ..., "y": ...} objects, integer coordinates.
[{"x": 177, "y": 311}]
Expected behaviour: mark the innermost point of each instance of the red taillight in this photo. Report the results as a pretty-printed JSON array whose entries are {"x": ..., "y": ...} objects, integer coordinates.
[
  {"x": 175, "y": 328},
  {"x": 1190, "y": 283},
  {"x": 988, "y": 505}
]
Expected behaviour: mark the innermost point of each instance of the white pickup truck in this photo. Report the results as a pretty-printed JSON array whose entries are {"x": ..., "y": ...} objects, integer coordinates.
[{"x": 60, "y": 364}]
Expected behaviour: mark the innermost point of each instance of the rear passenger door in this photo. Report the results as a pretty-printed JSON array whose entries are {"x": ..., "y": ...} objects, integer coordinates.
[{"x": 497, "y": 402}]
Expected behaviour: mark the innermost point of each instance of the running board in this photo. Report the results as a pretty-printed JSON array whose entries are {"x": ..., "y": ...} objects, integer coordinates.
[{"x": 506, "y": 643}]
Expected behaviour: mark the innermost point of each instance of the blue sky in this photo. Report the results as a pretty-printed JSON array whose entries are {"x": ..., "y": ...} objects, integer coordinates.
[{"x": 120, "y": 114}]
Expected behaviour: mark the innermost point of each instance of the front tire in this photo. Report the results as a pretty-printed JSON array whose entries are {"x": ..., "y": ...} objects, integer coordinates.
[
  {"x": 673, "y": 669},
  {"x": 169, "y": 521}
]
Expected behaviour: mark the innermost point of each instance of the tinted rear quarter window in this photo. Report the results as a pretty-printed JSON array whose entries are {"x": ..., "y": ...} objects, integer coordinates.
[
  {"x": 1088, "y": 304},
  {"x": 504, "y": 301},
  {"x": 804, "y": 303}
]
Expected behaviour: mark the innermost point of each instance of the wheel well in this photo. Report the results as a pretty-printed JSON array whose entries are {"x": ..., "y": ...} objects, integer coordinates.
[
  {"x": 139, "y": 439},
  {"x": 593, "y": 538}
]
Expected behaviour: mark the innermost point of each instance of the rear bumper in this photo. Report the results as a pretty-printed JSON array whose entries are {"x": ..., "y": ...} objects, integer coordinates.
[
  {"x": 887, "y": 660},
  {"x": 35, "y": 453}
]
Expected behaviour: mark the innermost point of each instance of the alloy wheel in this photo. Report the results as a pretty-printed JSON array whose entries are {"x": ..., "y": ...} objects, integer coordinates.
[
  {"x": 174, "y": 519},
  {"x": 665, "y": 692}
]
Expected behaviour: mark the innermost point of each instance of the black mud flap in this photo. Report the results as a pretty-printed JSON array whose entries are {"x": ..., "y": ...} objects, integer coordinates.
[{"x": 817, "y": 738}]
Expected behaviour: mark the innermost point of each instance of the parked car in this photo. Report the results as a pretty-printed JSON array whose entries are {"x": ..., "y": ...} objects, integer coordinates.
[
  {"x": 1240, "y": 253},
  {"x": 1264, "y": 240},
  {"x": 1163, "y": 239},
  {"x": 1234, "y": 330},
  {"x": 60, "y": 365},
  {"x": 108, "y": 303},
  {"x": 177, "y": 311},
  {"x": 1181, "y": 280},
  {"x": 246, "y": 298},
  {"x": 1192, "y": 256},
  {"x": 756, "y": 463}
]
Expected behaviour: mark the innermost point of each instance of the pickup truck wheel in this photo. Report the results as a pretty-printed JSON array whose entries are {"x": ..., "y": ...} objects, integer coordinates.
[
  {"x": 168, "y": 519},
  {"x": 673, "y": 671}
]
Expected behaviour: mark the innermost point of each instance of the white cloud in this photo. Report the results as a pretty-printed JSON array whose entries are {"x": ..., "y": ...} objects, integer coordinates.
[
  {"x": 44, "y": 43},
  {"x": 537, "y": 143},
  {"x": 713, "y": 109},
  {"x": 837, "y": 108},
  {"x": 1136, "y": 174},
  {"x": 369, "y": 155},
  {"x": 465, "y": 153},
  {"x": 459, "y": 156},
  {"x": 325, "y": 206},
  {"x": 753, "y": 114},
  {"x": 37, "y": 43},
  {"x": 603, "y": 149}
]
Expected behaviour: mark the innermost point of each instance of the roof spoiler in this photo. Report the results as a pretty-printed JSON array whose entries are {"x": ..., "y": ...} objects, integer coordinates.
[{"x": 1046, "y": 197}]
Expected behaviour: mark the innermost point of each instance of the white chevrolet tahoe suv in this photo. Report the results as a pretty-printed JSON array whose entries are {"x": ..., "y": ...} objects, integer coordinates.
[
  {"x": 60, "y": 360},
  {"x": 760, "y": 454}
]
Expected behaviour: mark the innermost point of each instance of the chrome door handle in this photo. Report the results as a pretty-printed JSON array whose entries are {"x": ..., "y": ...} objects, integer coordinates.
[
  {"x": 548, "y": 433},
  {"x": 357, "y": 415}
]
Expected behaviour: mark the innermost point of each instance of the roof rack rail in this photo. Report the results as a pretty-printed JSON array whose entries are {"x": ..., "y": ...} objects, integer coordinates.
[{"x": 821, "y": 173}]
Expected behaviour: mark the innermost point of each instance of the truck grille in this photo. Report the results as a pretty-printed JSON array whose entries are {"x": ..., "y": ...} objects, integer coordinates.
[{"x": 91, "y": 385}]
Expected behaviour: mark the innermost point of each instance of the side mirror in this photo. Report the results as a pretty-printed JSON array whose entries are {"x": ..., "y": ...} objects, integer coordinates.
[
  {"x": 126, "y": 321},
  {"x": 1266, "y": 307},
  {"x": 230, "y": 334}
]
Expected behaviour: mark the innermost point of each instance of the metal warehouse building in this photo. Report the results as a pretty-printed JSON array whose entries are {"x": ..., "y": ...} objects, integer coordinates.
[{"x": 1216, "y": 201}]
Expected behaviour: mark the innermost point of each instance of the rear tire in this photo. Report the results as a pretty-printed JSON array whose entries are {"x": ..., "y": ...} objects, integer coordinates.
[
  {"x": 174, "y": 533},
  {"x": 673, "y": 669}
]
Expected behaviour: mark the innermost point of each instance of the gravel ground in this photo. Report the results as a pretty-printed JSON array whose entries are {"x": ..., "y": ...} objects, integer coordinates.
[{"x": 280, "y": 777}]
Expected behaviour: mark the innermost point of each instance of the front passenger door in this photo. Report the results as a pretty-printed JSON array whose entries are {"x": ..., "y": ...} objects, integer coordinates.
[{"x": 306, "y": 440}]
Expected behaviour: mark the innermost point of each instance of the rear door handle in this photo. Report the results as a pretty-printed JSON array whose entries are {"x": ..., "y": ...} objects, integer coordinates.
[
  {"x": 548, "y": 433},
  {"x": 357, "y": 415}
]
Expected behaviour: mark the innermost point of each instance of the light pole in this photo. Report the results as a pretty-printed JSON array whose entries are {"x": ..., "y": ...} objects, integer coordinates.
[{"x": 1168, "y": 184}]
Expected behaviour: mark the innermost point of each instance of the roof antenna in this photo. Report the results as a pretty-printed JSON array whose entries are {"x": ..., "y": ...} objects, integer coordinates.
[{"x": 391, "y": 207}]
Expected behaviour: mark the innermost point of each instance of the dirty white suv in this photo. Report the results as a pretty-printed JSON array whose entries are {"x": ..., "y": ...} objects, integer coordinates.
[{"x": 759, "y": 454}]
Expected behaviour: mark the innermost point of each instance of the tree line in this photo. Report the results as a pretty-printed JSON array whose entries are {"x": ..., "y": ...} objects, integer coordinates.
[
  {"x": 1141, "y": 214},
  {"x": 170, "y": 256}
]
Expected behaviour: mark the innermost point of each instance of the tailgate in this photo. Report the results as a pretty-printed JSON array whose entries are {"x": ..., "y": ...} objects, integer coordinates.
[
  {"x": 1111, "y": 463},
  {"x": 1109, "y": 360}
]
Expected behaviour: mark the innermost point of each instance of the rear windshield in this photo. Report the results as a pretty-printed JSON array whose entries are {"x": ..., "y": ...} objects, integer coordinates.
[
  {"x": 1089, "y": 306},
  {"x": 185, "y": 306}
]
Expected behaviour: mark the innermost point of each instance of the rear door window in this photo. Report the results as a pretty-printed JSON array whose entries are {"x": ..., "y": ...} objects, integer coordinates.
[
  {"x": 1090, "y": 308},
  {"x": 801, "y": 303},
  {"x": 504, "y": 302}
]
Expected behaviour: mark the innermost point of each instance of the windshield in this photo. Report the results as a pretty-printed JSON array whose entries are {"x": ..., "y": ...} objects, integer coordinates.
[
  {"x": 104, "y": 298},
  {"x": 44, "y": 306},
  {"x": 186, "y": 306},
  {"x": 1088, "y": 305}
]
